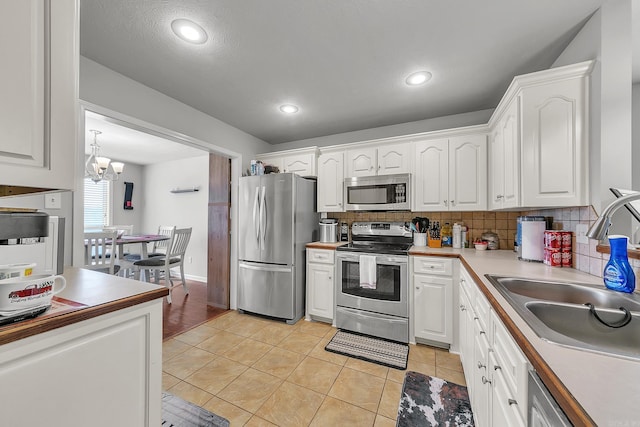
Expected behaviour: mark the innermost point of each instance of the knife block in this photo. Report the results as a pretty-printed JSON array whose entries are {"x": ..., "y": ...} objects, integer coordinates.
[{"x": 435, "y": 243}]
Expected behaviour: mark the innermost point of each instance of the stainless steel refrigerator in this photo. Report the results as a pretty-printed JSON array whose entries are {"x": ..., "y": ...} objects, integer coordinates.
[{"x": 277, "y": 219}]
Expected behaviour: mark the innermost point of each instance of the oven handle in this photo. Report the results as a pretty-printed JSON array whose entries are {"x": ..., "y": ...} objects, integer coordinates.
[{"x": 380, "y": 259}]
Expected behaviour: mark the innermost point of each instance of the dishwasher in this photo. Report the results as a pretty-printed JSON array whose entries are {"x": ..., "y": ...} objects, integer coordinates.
[{"x": 543, "y": 409}]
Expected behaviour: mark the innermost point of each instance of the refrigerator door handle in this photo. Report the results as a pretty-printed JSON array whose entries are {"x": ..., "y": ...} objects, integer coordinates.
[
  {"x": 263, "y": 267},
  {"x": 263, "y": 215},
  {"x": 256, "y": 213}
]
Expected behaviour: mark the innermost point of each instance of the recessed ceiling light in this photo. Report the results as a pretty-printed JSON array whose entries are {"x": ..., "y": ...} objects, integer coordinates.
[
  {"x": 189, "y": 31},
  {"x": 418, "y": 78},
  {"x": 289, "y": 108}
]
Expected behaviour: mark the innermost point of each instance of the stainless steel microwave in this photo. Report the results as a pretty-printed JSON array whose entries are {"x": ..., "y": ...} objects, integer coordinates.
[{"x": 378, "y": 193}]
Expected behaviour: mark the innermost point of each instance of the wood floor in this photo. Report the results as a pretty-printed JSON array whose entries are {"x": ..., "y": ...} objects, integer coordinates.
[{"x": 187, "y": 311}]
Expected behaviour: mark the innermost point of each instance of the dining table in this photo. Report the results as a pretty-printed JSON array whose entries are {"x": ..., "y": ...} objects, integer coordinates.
[{"x": 142, "y": 239}]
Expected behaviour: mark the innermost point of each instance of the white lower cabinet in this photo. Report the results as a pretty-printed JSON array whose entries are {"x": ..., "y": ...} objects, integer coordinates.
[
  {"x": 109, "y": 365},
  {"x": 494, "y": 366},
  {"x": 320, "y": 284},
  {"x": 432, "y": 282}
]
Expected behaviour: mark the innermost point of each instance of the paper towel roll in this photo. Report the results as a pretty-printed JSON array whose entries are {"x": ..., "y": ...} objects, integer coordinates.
[{"x": 533, "y": 240}]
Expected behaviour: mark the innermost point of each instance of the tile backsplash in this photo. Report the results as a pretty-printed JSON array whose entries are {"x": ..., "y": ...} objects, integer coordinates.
[
  {"x": 584, "y": 256},
  {"x": 502, "y": 223}
]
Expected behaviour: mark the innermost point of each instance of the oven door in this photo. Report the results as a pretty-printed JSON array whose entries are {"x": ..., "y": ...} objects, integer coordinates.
[{"x": 390, "y": 295}]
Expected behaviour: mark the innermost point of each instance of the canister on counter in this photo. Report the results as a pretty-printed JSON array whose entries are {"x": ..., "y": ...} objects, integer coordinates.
[
  {"x": 567, "y": 237},
  {"x": 566, "y": 258},
  {"x": 552, "y": 239},
  {"x": 555, "y": 257}
]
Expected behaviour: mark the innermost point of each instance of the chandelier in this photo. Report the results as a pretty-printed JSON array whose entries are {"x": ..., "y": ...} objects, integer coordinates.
[{"x": 101, "y": 168}]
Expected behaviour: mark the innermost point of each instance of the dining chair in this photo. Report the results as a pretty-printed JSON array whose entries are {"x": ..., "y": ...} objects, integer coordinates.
[
  {"x": 174, "y": 257},
  {"x": 97, "y": 247}
]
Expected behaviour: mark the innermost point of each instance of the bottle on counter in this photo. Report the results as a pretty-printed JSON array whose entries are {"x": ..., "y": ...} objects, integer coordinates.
[
  {"x": 446, "y": 234},
  {"x": 465, "y": 236},
  {"x": 618, "y": 274},
  {"x": 457, "y": 236}
]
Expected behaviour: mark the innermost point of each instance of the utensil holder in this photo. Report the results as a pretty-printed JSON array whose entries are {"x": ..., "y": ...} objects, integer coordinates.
[
  {"x": 435, "y": 243},
  {"x": 420, "y": 239}
]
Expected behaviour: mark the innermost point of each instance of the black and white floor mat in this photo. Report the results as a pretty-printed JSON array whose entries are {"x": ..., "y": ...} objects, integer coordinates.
[{"x": 376, "y": 350}]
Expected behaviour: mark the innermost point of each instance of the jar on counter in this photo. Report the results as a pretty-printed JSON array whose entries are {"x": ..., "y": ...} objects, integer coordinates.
[{"x": 492, "y": 239}]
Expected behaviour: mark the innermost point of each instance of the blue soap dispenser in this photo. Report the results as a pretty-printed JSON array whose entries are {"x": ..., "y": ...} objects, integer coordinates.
[{"x": 618, "y": 274}]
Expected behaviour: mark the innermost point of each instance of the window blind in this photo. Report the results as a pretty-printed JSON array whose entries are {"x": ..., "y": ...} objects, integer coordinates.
[{"x": 97, "y": 204}]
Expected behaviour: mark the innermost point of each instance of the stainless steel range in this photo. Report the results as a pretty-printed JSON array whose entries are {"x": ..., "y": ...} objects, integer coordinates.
[{"x": 372, "y": 296}]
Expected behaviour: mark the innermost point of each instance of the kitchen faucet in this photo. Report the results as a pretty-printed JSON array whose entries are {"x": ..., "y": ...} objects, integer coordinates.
[{"x": 598, "y": 230}]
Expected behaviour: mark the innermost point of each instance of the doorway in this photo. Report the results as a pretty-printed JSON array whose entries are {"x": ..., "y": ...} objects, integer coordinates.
[{"x": 222, "y": 274}]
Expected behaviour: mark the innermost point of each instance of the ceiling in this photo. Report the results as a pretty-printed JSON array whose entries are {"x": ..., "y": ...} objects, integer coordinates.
[
  {"x": 343, "y": 63},
  {"x": 128, "y": 145}
]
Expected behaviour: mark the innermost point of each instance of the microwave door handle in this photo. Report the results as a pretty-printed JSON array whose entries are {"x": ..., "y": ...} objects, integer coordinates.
[
  {"x": 263, "y": 214},
  {"x": 256, "y": 216}
]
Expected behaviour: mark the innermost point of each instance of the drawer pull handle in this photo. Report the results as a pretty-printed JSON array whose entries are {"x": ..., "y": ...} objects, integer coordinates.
[
  {"x": 480, "y": 365},
  {"x": 512, "y": 402},
  {"x": 496, "y": 367},
  {"x": 482, "y": 332},
  {"x": 485, "y": 380}
]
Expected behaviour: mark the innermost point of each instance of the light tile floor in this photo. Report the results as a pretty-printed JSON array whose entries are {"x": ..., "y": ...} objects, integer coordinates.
[{"x": 257, "y": 372}]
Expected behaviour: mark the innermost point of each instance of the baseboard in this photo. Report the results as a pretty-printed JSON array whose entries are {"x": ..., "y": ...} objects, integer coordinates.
[{"x": 196, "y": 278}]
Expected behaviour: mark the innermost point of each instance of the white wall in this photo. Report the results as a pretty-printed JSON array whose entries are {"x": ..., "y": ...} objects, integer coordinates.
[
  {"x": 120, "y": 216},
  {"x": 104, "y": 87},
  {"x": 447, "y": 122},
  {"x": 635, "y": 135},
  {"x": 161, "y": 207}
]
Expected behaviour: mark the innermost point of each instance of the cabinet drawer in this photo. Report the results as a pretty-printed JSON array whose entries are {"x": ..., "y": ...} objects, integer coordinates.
[
  {"x": 321, "y": 256},
  {"x": 430, "y": 265},
  {"x": 511, "y": 362}
]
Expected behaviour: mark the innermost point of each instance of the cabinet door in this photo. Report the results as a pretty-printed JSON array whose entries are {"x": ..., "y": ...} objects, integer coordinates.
[
  {"x": 481, "y": 377},
  {"x": 394, "y": 159},
  {"x": 433, "y": 301},
  {"x": 504, "y": 407},
  {"x": 302, "y": 164},
  {"x": 510, "y": 132},
  {"x": 38, "y": 102},
  {"x": 431, "y": 177},
  {"x": 331, "y": 182},
  {"x": 496, "y": 168},
  {"x": 554, "y": 144},
  {"x": 23, "y": 103},
  {"x": 468, "y": 173},
  {"x": 361, "y": 162},
  {"x": 320, "y": 290}
]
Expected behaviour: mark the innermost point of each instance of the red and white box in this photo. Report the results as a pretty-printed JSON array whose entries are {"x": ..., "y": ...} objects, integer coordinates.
[
  {"x": 566, "y": 258},
  {"x": 567, "y": 237},
  {"x": 554, "y": 256},
  {"x": 552, "y": 239}
]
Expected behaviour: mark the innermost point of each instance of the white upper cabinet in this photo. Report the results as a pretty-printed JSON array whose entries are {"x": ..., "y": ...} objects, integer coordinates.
[
  {"x": 504, "y": 160},
  {"x": 331, "y": 182},
  {"x": 378, "y": 160},
  {"x": 431, "y": 177},
  {"x": 468, "y": 173},
  {"x": 451, "y": 174},
  {"x": 554, "y": 145},
  {"x": 39, "y": 45},
  {"x": 394, "y": 159},
  {"x": 301, "y": 162}
]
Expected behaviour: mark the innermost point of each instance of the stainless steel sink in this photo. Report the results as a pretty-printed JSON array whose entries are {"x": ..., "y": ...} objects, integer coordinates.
[{"x": 556, "y": 311}]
